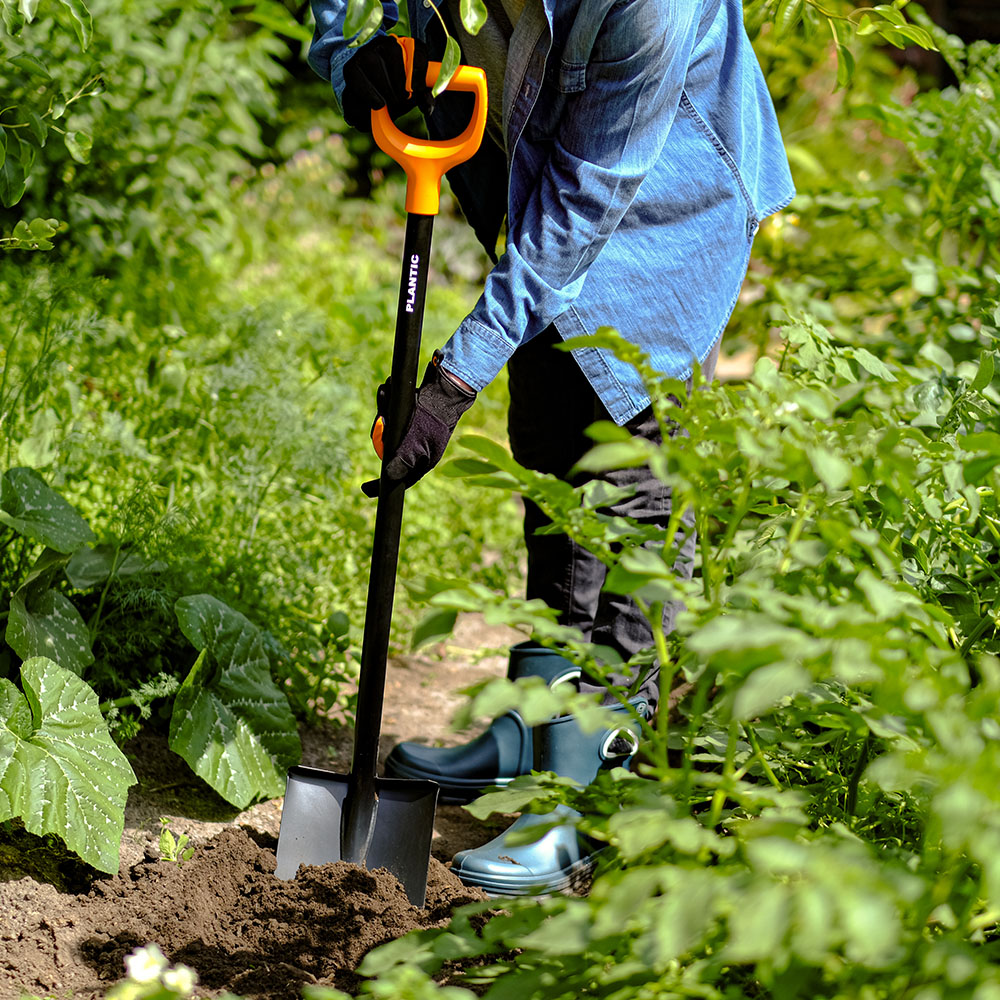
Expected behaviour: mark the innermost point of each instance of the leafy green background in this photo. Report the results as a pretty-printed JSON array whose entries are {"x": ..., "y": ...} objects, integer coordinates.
[{"x": 200, "y": 269}]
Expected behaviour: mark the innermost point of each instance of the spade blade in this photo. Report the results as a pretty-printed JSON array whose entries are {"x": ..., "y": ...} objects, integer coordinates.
[{"x": 313, "y": 814}]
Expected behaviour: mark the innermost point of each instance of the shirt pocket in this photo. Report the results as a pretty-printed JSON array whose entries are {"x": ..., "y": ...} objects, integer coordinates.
[
  {"x": 601, "y": 36},
  {"x": 562, "y": 80}
]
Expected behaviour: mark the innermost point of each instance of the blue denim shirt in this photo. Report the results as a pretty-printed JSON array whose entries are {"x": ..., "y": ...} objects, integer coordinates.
[{"x": 642, "y": 153}]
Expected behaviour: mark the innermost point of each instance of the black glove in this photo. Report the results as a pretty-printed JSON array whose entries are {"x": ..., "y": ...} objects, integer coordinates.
[
  {"x": 375, "y": 77},
  {"x": 439, "y": 404}
]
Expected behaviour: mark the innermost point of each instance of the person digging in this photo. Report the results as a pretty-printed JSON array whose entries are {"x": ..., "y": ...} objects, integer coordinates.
[{"x": 632, "y": 150}]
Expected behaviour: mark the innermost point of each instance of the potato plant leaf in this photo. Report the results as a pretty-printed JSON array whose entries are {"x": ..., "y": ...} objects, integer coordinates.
[
  {"x": 230, "y": 721},
  {"x": 984, "y": 373},
  {"x": 78, "y": 144},
  {"x": 47, "y": 623},
  {"x": 35, "y": 510},
  {"x": 60, "y": 771},
  {"x": 435, "y": 627},
  {"x": 27, "y": 62}
]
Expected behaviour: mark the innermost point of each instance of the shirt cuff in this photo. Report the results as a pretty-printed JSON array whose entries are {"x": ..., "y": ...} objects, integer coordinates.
[{"x": 476, "y": 353}]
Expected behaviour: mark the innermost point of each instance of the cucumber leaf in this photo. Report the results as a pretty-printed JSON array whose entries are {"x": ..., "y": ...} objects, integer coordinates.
[
  {"x": 35, "y": 510},
  {"x": 60, "y": 771},
  {"x": 230, "y": 721},
  {"x": 91, "y": 566},
  {"x": 47, "y": 623}
]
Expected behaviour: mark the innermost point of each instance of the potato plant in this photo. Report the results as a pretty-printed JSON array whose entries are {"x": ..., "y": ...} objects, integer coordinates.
[{"x": 819, "y": 818}]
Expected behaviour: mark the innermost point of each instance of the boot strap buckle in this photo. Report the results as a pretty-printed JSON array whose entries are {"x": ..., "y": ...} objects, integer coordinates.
[{"x": 619, "y": 743}]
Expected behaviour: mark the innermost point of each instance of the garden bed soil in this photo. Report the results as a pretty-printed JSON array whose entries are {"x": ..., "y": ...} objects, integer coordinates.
[{"x": 222, "y": 912}]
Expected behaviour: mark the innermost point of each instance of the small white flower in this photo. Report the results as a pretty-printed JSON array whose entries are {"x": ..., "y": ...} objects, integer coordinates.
[
  {"x": 144, "y": 965},
  {"x": 180, "y": 979}
]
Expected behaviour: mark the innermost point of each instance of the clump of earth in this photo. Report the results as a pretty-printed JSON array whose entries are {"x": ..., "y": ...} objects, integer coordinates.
[{"x": 223, "y": 913}]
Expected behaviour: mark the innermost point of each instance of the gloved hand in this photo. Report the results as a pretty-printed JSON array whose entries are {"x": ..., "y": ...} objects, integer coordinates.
[
  {"x": 375, "y": 77},
  {"x": 439, "y": 404}
]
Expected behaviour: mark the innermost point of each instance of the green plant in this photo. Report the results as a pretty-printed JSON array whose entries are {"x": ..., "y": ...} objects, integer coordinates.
[
  {"x": 128, "y": 122},
  {"x": 891, "y": 240},
  {"x": 818, "y": 820},
  {"x": 173, "y": 849},
  {"x": 815, "y": 818},
  {"x": 843, "y": 20},
  {"x": 60, "y": 772}
]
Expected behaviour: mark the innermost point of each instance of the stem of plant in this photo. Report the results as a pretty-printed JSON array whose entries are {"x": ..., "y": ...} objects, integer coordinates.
[
  {"x": 739, "y": 512},
  {"x": 805, "y": 508},
  {"x": 123, "y": 702},
  {"x": 728, "y": 772},
  {"x": 698, "y": 706},
  {"x": 759, "y": 755},
  {"x": 851, "y": 805},
  {"x": 654, "y": 616},
  {"x": 706, "y": 556},
  {"x": 96, "y": 620}
]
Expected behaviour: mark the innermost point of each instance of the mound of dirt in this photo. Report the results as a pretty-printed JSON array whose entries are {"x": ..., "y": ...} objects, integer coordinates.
[{"x": 223, "y": 913}]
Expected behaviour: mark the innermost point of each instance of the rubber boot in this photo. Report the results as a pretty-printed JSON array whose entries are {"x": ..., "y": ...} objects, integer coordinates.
[
  {"x": 496, "y": 757},
  {"x": 561, "y": 858}
]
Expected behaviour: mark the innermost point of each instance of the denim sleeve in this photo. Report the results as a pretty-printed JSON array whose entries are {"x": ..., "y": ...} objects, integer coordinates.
[
  {"x": 329, "y": 49},
  {"x": 609, "y": 138}
]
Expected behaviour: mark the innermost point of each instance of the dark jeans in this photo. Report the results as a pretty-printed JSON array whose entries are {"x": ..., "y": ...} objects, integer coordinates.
[{"x": 551, "y": 405}]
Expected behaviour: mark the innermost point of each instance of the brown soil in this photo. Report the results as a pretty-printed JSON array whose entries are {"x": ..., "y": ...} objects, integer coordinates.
[{"x": 223, "y": 913}]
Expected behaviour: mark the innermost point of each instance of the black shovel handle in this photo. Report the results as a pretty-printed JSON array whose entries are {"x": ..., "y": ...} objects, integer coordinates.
[
  {"x": 425, "y": 162},
  {"x": 362, "y": 802}
]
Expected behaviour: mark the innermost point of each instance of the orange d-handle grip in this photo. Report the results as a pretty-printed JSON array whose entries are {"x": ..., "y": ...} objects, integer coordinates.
[{"x": 424, "y": 160}]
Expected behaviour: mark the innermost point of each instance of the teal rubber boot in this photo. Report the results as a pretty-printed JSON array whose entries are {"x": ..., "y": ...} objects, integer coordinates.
[
  {"x": 561, "y": 858},
  {"x": 496, "y": 757}
]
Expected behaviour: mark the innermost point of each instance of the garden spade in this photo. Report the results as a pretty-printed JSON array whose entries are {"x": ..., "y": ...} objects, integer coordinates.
[{"x": 359, "y": 817}]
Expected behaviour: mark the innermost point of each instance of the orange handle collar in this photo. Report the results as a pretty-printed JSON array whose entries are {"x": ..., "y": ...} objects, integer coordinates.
[{"x": 425, "y": 161}]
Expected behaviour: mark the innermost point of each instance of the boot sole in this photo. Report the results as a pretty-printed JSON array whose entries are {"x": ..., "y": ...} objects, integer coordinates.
[
  {"x": 454, "y": 791},
  {"x": 574, "y": 878}
]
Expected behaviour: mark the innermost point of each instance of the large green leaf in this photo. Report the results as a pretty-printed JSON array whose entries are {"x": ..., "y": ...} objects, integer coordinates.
[
  {"x": 34, "y": 509},
  {"x": 60, "y": 771},
  {"x": 92, "y": 565},
  {"x": 46, "y": 623},
  {"x": 230, "y": 721}
]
